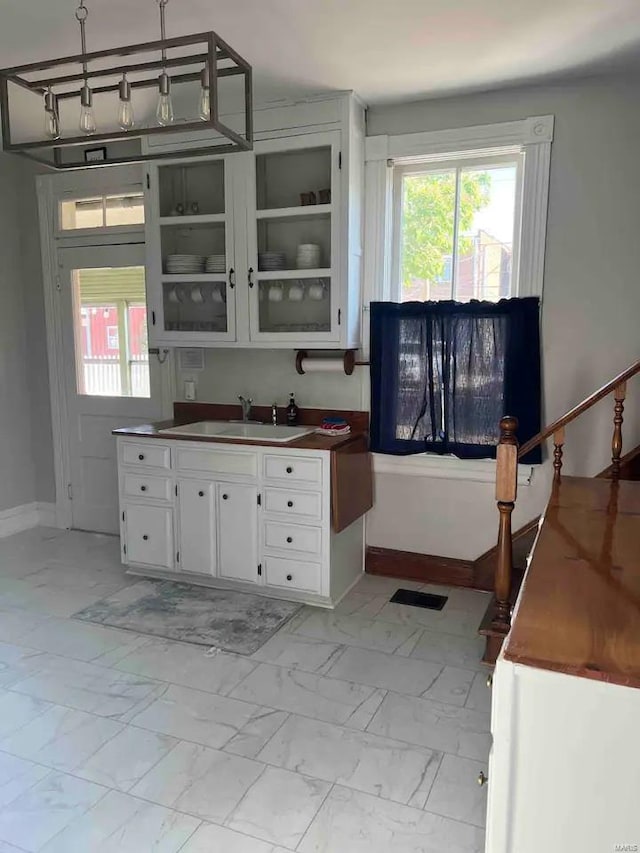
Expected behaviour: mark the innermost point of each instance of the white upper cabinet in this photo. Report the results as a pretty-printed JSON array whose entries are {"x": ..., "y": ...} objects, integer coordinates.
[{"x": 264, "y": 248}]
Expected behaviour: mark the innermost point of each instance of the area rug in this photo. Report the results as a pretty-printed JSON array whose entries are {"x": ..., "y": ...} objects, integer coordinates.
[{"x": 234, "y": 621}]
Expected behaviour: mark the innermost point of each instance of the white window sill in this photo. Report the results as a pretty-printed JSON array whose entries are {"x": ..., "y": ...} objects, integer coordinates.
[{"x": 445, "y": 467}]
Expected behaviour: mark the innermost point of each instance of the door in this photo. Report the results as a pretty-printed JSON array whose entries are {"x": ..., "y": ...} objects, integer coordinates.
[
  {"x": 238, "y": 532},
  {"x": 191, "y": 252},
  {"x": 109, "y": 378},
  {"x": 197, "y": 524},
  {"x": 293, "y": 236},
  {"x": 149, "y": 535}
]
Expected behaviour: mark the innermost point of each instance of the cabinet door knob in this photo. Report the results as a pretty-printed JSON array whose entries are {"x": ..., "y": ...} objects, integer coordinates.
[
  {"x": 143, "y": 488},
  {"x": 289, "y": 577},
  {"x": 289, "y": 539},
  {"x": 145, "y": 537},
  {"x": 200, "y": 494},
  {"x": 289, "y": 503},
  {"x": 225, "y": 497},
  {"x": 141, "y": 456},
  {"x": 482, "y": 779},
  {"x": 289, "y": 470}
]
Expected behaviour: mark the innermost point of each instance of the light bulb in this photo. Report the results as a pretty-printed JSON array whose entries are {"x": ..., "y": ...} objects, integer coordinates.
[
  {"x": 87, "y": 118},
  {"x": 204, "y": 106},
  {"x": 164, "y": 110},
  {"x": 126, "y": 118},
  {"x": 51, "y": 122}
]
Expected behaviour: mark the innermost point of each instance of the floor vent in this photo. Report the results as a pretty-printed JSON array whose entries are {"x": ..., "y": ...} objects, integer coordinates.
[{"x": 419, "y": 599}]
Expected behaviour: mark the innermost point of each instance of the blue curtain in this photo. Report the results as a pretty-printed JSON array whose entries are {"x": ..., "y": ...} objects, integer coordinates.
[{"x": 444, "y": 373}]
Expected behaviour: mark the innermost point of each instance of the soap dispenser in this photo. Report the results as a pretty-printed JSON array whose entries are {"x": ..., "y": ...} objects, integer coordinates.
[{"x": 292, "y": 411}]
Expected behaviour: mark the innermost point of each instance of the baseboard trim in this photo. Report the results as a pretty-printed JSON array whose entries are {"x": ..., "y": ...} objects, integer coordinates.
[
  {"x": 475, "y": 574},
  {"x": 19, "y": 518},
  {"x": 419, "y": 567}
]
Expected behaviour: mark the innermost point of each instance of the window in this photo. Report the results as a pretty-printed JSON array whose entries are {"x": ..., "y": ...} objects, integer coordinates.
[
  {"x": 106, "y": 211},
  {"x": 110, "y": 319},
  {"x": 456, "y": 227}
]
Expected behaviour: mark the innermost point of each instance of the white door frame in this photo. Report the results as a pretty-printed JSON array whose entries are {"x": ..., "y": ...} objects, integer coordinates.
[{"x": 50, "y": 188}]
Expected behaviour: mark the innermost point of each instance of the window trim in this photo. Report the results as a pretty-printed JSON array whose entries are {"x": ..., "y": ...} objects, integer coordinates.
[
  {"x": 533, "y": 136},
  {"x": 420, "y": 165}
]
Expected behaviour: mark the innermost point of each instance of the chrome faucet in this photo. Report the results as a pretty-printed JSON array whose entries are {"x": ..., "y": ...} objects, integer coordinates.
[
  {"x": 274, "y": 414},
  {"x": 246, "y": 403}
]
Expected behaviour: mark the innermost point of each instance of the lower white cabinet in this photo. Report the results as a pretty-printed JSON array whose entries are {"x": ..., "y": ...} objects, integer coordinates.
[
  {"x": 238, "y": 532},
  {"x": 149, "y": 535},
  {"x": 197, "y": 526},
  {"x": 235, "y": 516}
]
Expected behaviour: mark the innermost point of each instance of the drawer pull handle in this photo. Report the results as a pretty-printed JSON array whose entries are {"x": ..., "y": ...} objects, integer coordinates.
[
  {"x": 289, "y": 503},
  {"x": 289, "y": 470},
  {"x": 289, "y": 539},
  {"x": 141, "y": 456},
  {"x": 289, "y": 577},
  {"x": 143, "y": 488},
  {"x": 225, "y": 497},
  {"x": 145, "y": 537},
  {"x": 200, "y": 494},
  {"x": 482, "y": 779}
]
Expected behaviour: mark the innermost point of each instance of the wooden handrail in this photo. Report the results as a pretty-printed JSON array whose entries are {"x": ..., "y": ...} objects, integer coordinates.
[
  {"x": 572, "y": 414},
  {"x": 507, "y": 455}
]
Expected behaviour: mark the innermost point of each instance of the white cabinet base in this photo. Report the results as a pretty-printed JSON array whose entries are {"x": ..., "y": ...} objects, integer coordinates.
[{"x": 236, "y": 517}]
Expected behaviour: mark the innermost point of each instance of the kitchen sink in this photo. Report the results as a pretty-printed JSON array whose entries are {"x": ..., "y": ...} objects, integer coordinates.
[{"x": 245, "y": 431}]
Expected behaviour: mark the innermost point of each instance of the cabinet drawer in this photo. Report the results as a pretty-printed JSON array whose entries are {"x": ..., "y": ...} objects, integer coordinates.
[
  {"x": 293, "y": 574},
  {"x": 293, "y": 469},
  {"x": 143, "y": 486},
  {"x": 293, "y": 503},
  {"x": 149, "y": 454},
  {"x": 216, "y": 462},
  {"x": 149, "y": 535},
  {"x": 293, "y": 537}
]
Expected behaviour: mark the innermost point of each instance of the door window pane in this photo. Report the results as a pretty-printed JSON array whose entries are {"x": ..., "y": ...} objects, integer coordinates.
[
  {"x": 102, "y": 211},
  {"x": 110, "y": 323}
]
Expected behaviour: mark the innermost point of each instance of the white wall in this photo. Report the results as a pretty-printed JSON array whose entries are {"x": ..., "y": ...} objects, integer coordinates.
[{"x": 591, "y": 301}]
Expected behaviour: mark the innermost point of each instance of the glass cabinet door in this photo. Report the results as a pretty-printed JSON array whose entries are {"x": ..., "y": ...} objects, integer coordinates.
[
  {"x": 292, "y": 237},
  {"x": 193, "y": 252}
]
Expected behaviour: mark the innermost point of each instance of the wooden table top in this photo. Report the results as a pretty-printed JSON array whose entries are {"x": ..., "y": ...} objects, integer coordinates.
[{"x": 579, "y": 607}]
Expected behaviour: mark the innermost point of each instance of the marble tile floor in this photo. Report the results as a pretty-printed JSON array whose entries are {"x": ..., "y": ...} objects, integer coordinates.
[{"x": 361, "y": 729}]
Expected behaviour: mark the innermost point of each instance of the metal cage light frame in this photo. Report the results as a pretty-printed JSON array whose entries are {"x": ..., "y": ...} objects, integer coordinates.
[{"x": 212, "y": 56}]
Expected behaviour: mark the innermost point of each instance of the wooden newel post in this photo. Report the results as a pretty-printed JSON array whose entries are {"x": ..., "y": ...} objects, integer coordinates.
[
  {"x": 506, "y": 493},
  {"x": 620, "y": 394}
]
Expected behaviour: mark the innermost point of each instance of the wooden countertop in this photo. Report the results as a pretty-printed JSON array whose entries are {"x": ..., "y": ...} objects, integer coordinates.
[
  {"x": 579, "y": 608},
  {"x": 312, "y": 441}
]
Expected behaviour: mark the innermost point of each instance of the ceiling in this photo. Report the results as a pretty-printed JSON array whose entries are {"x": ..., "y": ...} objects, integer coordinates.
[{"x": 386, "y": 50}]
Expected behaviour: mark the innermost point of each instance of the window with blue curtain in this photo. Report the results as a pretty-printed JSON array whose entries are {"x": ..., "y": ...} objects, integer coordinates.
[{"x": 444, "y": 373}]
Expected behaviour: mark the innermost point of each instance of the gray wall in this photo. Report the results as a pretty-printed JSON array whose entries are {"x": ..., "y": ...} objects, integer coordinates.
[
  {"x": 591, "y": 301},
  {"x": 26, "y": 454}
]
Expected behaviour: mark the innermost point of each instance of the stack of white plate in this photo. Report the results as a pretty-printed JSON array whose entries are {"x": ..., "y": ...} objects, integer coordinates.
[
  {"x": 268, "y": 261},
  {"x": 185, "y": 264},
  {"x": 215, "y": 263},
  {"x": 308, "y": 257}
]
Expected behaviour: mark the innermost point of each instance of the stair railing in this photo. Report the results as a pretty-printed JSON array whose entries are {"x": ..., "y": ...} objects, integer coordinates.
[{"x": 507, "y": 456}]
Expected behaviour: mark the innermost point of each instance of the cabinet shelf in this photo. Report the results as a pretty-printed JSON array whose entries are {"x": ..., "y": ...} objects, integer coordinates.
[
  {"x": 277, "y": 275},
  {"x": 193, "y": 278},
  {"x": 289, "y": 212},
  {"x": 198, "y": 219}
]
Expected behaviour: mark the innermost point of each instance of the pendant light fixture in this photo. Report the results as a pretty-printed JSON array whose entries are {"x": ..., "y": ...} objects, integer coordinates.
[
  {"x": 126, "y": 118},
  {"x": 87, "y": 118},
  {"x": 51, "y": 120},
  {"x": 164, "y": 110},
  {"x": 201, "y": 61}
]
